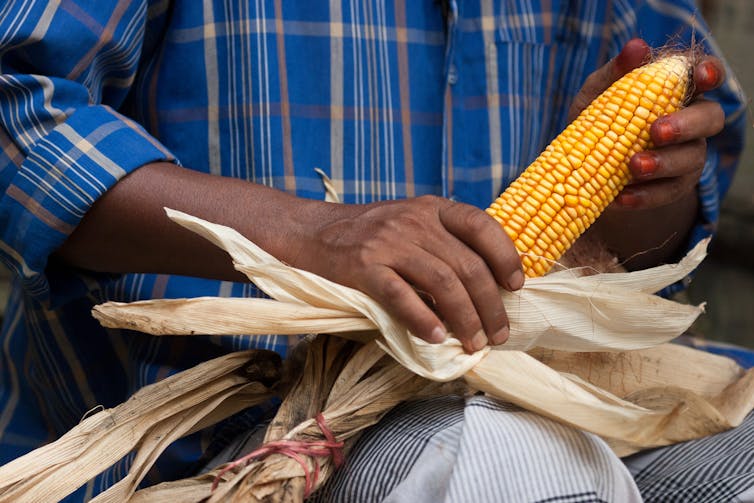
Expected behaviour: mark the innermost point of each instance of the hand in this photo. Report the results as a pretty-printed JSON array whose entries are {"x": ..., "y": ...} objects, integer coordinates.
[
  {"x": 665, "y": 177},
  {"x": 397, "y": 252},
  {"x": 673, "y": 167}
]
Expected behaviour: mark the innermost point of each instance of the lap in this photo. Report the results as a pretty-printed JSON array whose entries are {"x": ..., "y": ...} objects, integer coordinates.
[
  {"x": 715, "y": 468},
  {"x": 477, "y": 449}
]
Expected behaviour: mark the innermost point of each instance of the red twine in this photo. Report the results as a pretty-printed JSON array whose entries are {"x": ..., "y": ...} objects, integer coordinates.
[{"x": 295, "y": 449}]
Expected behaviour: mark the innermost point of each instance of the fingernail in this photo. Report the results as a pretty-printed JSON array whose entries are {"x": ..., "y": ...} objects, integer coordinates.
[
  {"x": 479, "y": 340},
  {"x": 708, "y": 74},
  {"x": 645, "y": 165},
  {"x": 500, "y": 336},
  {"x": 628, "y": 199},
  {"x": 439, "y": 334},
  {"x": 516, "y": 280},
  {"x": 667, "y": 131}
]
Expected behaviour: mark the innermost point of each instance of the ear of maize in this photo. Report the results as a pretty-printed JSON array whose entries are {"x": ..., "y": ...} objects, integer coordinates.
[{"x": 566, "y": 188}]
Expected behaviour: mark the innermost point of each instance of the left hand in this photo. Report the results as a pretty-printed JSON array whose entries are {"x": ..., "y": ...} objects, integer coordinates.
[
  {"x": 672, "y": 168},
  {"x": 649, "y": 220}
]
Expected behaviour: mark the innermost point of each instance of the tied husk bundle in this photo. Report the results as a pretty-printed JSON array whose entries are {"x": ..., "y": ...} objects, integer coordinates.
[
  {"x": 351, "y": 385},
  {"x": 588, "y": 351}
]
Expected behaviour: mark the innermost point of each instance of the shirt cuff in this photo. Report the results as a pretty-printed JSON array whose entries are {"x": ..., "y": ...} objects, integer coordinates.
[{"x": 54, "y": 187}]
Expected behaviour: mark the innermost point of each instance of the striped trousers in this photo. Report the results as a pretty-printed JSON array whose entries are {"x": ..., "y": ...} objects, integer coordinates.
[{"x": 477, "y": 449}]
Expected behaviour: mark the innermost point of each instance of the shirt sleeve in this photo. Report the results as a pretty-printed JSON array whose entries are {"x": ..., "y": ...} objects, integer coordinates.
[
  {"x": 65, "y": 70},
  {"x": 678, "y": 23}
]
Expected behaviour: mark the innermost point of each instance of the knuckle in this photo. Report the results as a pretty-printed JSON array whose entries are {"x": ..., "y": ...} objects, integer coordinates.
[
  {"x": 476, "y": 221},
  {"x": 392, "y": 289},
  {"x": 430, "y": 201},
  {"x": 466, "y": 324},
  {"x": 510, "y": 260},
  {"x": 700, "y": 149},
  {"x": 444, "y": 278},
  {"x": 472, "y": 269},
  {"x": 500, "y": 316},
  {"x": 697, "y": 156}
]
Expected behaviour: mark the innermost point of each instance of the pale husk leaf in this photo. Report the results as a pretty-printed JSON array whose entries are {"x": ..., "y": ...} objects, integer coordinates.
[
  {"x": 567, "y": 312},
  {"x": 169, "y": 407},
  {"x": 604, "y": 312},
  {"x": 227, "y": 316}
]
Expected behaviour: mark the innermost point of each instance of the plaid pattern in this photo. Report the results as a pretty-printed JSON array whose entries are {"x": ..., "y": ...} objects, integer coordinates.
[{"x": 390, "y": 99}]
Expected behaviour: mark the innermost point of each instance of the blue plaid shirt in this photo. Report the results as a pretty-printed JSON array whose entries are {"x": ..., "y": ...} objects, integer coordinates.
[{"x": 388, "y": 98}]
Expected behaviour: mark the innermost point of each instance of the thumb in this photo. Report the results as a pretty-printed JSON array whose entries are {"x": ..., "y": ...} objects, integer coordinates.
[{"x": 635, "y": 53}]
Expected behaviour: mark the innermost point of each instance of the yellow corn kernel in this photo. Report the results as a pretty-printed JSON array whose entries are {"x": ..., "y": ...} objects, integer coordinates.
[{"x": 557, "y": 197}]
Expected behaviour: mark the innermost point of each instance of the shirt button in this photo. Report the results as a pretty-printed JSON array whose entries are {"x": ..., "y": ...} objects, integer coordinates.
[{"x": 452, "y": 75}]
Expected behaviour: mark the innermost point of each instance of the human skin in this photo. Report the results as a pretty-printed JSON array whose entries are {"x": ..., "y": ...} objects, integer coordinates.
[{"x": 401, "y": 253}]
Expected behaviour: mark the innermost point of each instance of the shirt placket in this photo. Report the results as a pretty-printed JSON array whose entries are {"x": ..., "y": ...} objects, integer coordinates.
[{"x": 451, "y": 78}]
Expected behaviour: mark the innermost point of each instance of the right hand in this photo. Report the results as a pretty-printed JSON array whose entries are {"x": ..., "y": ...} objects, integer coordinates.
[{"x": 397, "y": 252}]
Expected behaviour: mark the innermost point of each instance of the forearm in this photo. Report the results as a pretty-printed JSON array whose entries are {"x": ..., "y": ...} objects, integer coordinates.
[{"x": 127, "y": 229}]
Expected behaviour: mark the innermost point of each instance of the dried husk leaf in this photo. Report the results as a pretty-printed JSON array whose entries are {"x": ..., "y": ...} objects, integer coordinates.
[
  {"x": 147, "y": 422},
  {"x": 366, "y": 386},
  {"x": 561, "y": 311},
  {"x": 623, "y": 373},
  {"x": 603, "y": 312},
  {"x": 191, "y": 490},
  {"x": 227, "y": 316}
]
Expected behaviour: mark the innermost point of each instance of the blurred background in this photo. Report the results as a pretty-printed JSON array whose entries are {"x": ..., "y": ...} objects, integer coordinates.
[{"x": 726, "y": 278}]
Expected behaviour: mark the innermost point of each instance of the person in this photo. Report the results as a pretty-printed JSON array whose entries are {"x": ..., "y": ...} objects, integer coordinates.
[{"x": 420, "y": 112}]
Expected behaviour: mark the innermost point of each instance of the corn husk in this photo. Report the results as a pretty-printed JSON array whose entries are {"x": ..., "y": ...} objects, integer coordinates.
[
  {"x": 589, "y": 351},
  {"x": 353, "y": 385},
  {"x": 369, "y": 386},
  {"x": 146, "y": 424},
  {"x": 564, "y": 311}
]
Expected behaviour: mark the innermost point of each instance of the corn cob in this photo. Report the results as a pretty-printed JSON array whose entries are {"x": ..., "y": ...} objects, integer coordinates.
[{"x": 566, "y": 188}]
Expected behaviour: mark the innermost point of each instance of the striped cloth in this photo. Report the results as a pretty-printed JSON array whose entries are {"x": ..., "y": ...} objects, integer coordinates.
[
  {"x": 386, "y": 97},
  {"x": 477, "y": 449},
  {"x": 456, "y": 449}
]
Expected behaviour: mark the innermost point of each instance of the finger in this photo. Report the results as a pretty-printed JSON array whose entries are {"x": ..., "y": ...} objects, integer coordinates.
[
  {"x": 453, "y": 301},
  {"x": 486, "y": 238},
  {"x": 656, "y": 193},
  {"x": 709, "y": 74},
  {"x": 668, "y": 162},
  {"x": 701, "y": 119},
  {"x": 484, "y": 258},
  {"x": 479, "y": 283},
  {"x": 635, "y": 53},
  {"x": 392, "y": 292}
]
